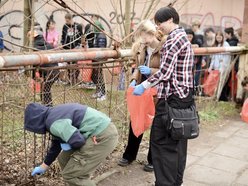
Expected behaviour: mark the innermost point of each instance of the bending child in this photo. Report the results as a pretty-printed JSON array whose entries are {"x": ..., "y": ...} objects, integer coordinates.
[{"x": 85, "y": 136}]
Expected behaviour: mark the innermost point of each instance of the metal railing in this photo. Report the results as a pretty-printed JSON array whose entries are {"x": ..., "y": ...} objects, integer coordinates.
[{"x": 22, "y": 83}]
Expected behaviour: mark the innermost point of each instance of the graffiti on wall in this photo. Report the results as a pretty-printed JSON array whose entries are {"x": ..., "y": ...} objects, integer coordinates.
[
  {"x": 12, "y": 27},
  {"x": 209, "y": 19}
]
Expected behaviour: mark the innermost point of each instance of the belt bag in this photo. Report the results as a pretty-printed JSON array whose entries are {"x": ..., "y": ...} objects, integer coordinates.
[{"x": 184, "y": 123}]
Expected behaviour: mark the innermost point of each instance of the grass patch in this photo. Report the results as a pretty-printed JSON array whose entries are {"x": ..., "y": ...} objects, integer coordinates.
[{"x": 211, "y": 111}]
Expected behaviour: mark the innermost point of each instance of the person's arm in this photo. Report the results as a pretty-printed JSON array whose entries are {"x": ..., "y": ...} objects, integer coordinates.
[
  {"x": 63, "y": 38},
  {"x": 64, "y": 129},
  {"x": 53, "y": 152},
  {"x": 56, "y": 39},
  {"x": 169, "y": 55},
  {"x": 1, "y": 41}
]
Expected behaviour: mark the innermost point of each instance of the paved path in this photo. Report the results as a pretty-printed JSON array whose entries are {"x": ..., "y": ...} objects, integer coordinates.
[{"x": 217, "y": 158}]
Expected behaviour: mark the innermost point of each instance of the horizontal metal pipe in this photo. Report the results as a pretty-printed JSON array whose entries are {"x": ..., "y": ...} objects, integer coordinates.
[{"x": 43, "y": 57}]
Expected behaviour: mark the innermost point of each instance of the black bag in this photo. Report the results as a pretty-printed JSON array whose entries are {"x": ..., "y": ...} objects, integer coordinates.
[{"x": 183, "y": 123}]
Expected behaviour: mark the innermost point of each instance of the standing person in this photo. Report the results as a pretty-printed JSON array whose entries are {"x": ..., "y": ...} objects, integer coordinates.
[
  {"x": 147, "y": 62},
  {"x": 89, "y": 34},
  {"x": 49, "y": 75},
  {"x": 1, "y": 42},
  {"x": 221, "y": 62},
  {"x": 175, "y": 87},
  {"x": 51, "y": 35},
  {"x": 196, "y": 25},
  {"x": 100, "y": 41},
  {"x": 232, "y": 40},
  {"x": 85, "y": 135},
  {"x": 230, "y": 37},
  {"x": 71, "y": 38}
]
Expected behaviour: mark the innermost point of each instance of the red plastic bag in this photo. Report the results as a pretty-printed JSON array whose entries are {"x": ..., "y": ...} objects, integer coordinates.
[
  {"x": 34, "y": 85},
  {"x": 211, "y": 82},
  {"x": 86, "y": 72},
  {"x": 244, "y": 112},
  {"x": 141, "y": 109}
]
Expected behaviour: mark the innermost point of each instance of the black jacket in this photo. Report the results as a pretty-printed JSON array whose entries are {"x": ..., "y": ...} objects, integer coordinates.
[
  {"x": 233, "y": 41},
  {"x": 100, "y": 41},
  {"x": 89, "y": 35},
  {"x": 41, "y": 44},
  {"x": 71, "y": 35}
]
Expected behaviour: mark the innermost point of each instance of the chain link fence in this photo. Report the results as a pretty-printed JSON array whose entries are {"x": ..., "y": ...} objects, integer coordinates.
[{"x": 101, "y": 86}]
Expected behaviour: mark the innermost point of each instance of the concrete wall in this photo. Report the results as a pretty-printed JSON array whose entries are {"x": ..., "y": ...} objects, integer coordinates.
[{"x": 217, "y": 13}]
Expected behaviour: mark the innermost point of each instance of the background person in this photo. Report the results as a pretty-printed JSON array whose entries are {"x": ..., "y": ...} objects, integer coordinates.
[
  {"x": 71, "y": 38},
  {"x": 147, "y": 62}
]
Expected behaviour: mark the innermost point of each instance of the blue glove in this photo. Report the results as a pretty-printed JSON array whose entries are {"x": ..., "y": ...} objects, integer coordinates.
[
  {"x": 133, "y": 83},
  {"x": 38, "y": 171},
  {"x": 139, "y": 90},
  {"x": 65, "y": 146},
  {"x": 144, "y": 70}
]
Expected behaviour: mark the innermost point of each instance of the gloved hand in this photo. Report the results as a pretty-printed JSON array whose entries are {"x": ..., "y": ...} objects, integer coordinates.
[
  {"x": 65, "y": 146},
  {"x": 38, "y": 171},
  {"x": 133, "y": 83},
  {"x": 138, "y": 90},
  {"x": 144, "y": 70}
]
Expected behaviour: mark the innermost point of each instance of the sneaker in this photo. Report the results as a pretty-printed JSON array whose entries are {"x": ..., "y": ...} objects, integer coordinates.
[
  {"x": 124, "y": 162},
  {"x": 102, "y": 98},
  {"x": 148, "y": 167},
  {"x": 96, "y": 95}
]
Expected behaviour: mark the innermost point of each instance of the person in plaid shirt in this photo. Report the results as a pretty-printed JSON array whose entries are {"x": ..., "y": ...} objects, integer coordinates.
[{"x": 175, "y": 88}]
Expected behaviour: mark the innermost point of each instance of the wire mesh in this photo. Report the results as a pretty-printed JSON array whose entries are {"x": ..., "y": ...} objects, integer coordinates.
[{"x": 20, "y": 151}]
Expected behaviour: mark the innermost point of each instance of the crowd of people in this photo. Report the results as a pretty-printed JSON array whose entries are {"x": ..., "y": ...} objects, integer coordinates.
[
  {"x": 72, "y": 37},
  {"x": 217, "y": 62},
  {"x": 164, "y": 58}
]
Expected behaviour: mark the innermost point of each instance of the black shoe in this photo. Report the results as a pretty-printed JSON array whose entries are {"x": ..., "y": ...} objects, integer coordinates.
[
  {"x": 148, "y": 167},
  {"x": 124, "y": 162}
]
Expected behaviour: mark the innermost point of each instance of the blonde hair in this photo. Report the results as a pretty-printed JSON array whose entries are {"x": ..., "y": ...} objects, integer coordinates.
[{"x": 145, "y": 26}]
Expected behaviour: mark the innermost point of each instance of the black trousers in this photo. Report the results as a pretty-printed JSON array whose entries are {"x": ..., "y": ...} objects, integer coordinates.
[
  {"x": 168, "y": 155},
  {"x": 97, "y": 78},
  {"x": 132, "y": 148},
  {"x": 73, "y": 74},
  {"x": 49, "y": 78}
]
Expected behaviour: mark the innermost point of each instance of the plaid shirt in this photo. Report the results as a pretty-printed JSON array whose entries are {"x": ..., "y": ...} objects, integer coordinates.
[{"x": 175, "y": 73}]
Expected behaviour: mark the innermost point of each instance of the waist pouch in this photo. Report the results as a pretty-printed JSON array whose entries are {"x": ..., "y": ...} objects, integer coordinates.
[{"x": 183, "y": 123}]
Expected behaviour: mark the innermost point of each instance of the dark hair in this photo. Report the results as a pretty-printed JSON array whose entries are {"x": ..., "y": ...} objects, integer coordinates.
[
  {"x": 229, "y": 30},
  {"x": 209, "y": 30},
  {"x": 223, "y": 39},
  {"x": 189, "y": 31},
  {"x": 37, "y": 27},
  {"x": 48, "y": 24},
  {"x": 166, "y": 13},
  {"x": 245, "y": 81}
]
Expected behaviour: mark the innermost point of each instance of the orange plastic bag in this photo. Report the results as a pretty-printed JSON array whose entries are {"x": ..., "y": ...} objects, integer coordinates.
[
  {"x": 141, "y": 109},
  {"x": 86, "y": 72},
  {"x": 34, "y": 85},
  {"x": 244, "y": 112},
  {"x": 211, "y": 82}
]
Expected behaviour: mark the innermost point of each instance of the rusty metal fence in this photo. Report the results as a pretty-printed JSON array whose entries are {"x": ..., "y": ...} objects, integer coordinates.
[
  {"x": 21, "y": 150},
  {"x": 99, "y": 84}
]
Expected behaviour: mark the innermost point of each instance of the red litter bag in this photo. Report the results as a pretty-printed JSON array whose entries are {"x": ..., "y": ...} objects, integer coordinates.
[
  {"x": 244, "y": 112},
  {"x": 211, "y": 82},
  {"x": 35, "y": 86},
  {"x": 86, "y": 72},
  {"x": 141, "y": 109}
]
